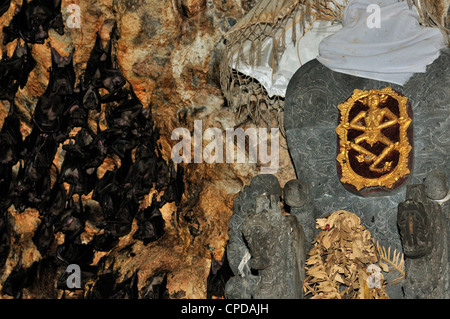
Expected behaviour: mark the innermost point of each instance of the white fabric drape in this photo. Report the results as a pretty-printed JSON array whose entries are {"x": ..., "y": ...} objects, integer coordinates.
[
  {"x": 275, "y": 78},
  {"x": 392, "y": 52}
]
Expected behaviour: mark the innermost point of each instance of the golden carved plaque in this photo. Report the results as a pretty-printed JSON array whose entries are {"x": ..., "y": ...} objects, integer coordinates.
[{"x": 374, "y": 148}]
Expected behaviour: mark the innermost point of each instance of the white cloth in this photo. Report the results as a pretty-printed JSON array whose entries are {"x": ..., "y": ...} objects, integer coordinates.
[
  {"x": 393, "y": 52},
  {"x": 275, "y": 81}
]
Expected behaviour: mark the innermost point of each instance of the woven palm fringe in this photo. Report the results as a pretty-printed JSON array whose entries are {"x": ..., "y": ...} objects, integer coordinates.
[
  {"x": 271, "y": 19},
  {"x": 433, "y": 13},
  {"x": 267, "y": 19}
]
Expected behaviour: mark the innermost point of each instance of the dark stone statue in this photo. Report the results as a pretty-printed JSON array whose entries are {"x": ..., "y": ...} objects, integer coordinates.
[
  {"x": 311, "y": 116},
  {"x": 300, "y": 202},
  {"x": 267, "y": 248},
  {"x": 423, "y": 230},
  {"x": 310, "y": 120}
]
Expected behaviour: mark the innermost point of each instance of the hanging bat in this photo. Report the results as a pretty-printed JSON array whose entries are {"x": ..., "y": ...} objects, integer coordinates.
[
  {"x": 150, "y": 223},
  {"x": 4, "y": 238},
  {"x": 175, "y": 189},
  {"x": 71, "y": 222},
  {"x": 28, "y": 192},
  {"x": 157, "y": 287},
  {"x": 18, "y": 279},
  {"x": 120, "y": 223},
  {"x": 33, "y": 182},
  {"x": 126, "y": 114},
  {"x": 75, "y": 253},
  {"x": 105, "y": 241},
  {"x": 103, "y": 287},
  {"x": 127, "y": 289},
  {"x": 48, "y": 114},
  {"x": 62, "y": 75},
  {"x": 10, "y": 140},
  {"x": 33, "y": 20},
  {"x": 99, "y": 60},
  {"x": 14, "y": 71},
  {"x": 43, "y": 237},
  {"x": 118, "y": 210},
  {"x": 82, "y": 181},
  {"x": 90, "y": 98},
  {"x": 51, "y": 210},
  {"x": 5, "y": 186},
  {"x": 4, "y": 6},
  {"x": 100, "y": 69}
]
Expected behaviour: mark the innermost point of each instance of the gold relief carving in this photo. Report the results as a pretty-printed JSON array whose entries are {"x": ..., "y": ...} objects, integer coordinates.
[{"x": 373, "y": 139}]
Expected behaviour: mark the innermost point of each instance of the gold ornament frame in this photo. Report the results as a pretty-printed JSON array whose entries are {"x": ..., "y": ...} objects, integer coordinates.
[{"x": 349, "y": 176}]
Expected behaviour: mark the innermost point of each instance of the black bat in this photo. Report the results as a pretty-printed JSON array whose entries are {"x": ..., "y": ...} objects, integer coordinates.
[
  {"x": 156, "y": 288},
  {"x": 62, "y": 75},
  {"x": 14, "y": 71},
  {"x": 74, "y": 172},
  {"x": 33, "y": 183},
  {"x": 50, "y": 212},
  {"x": 120, "y": 223},
  {"x": 75, "y": 115},
  {"x": 127, "y": 289},
  {"x": 105, "y": 241},
  {"x": 72, "y": 223},
  {"x": 103, "y": 287},
  {"x": 10, "y": 140},
  {"x": 175, "y": 189},
  {"x": 4, "y": 238},
  {"x": 33, "y": 20},
  {"x": 100, "y": 69},
  {"x": 219, "y": 274},
  {"x": 150, "y": 223},
  {"x": 43, "y": 237},
  {"x": 75, "y": 253},
  {"x": 56, "y": 204},
  {"x": 126, "y": 114},
  {"x": 90, "y": 97},
  {"x": 18, "y": 279},
  {"x": 4, "y": 6},
  {"x": 99, "y": 60},
  {"x": 5, "y": 186},
  {"x": 118, "y": 209},
  {"x": 49, "y": 111},
  {"x": 30, "y": 192}
]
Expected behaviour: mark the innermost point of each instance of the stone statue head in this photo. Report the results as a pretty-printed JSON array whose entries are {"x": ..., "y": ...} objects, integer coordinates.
[
  {"x": 436, "y": 186},
  {"x": 295, "y": 193}
]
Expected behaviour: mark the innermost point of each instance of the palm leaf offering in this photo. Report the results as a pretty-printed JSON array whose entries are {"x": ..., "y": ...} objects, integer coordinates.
[
  {"x": 344, "y": 262},
  {"x": 391, "y": 264}
]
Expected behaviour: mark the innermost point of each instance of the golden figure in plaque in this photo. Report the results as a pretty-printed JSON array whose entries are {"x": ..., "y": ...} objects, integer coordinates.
[{"x": 373, "y": 141}]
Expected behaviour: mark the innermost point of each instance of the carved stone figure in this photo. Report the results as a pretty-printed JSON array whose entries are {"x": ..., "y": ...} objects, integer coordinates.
[
  {"x": 310, "y": 119},
  {"x": 267, "y": 248},
  {"x": 423, "y": 230},
  {"x": 300, "y": 202}
]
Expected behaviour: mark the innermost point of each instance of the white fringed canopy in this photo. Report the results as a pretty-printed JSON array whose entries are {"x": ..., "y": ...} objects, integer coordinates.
[{"x": 267, "y": 46}]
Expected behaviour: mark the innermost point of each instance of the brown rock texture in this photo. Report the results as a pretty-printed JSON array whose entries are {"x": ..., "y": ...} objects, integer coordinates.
[{"x": 169, "y": 52}]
